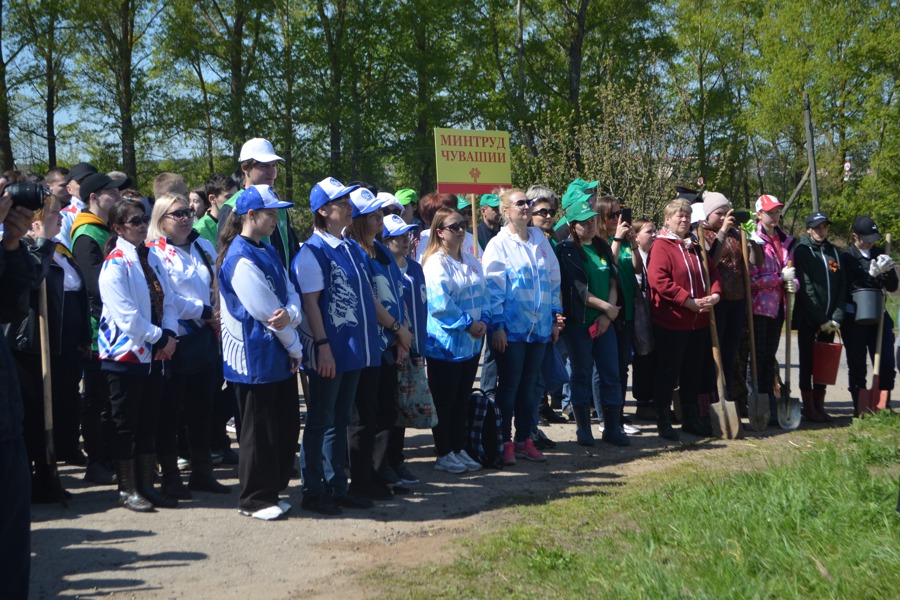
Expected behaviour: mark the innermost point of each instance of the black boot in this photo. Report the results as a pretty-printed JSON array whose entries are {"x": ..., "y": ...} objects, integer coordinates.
[
  {"x": 171, "y": 478},
  {"x": 612, "y": 426},
  {"x": 854, "y": 395},
  {"x": 690, "y": 419},
  {"x": 550, "y": 415},
  {"x": 664, "y": 421},
  {"x": 202, "y": 479},
  {"x": 128, "y": 494},
  {"x": 583, "y": 435},
  {"x": 146, "y": 471}
]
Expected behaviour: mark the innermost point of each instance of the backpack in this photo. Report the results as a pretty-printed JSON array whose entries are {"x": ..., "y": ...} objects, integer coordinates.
[{"x": 485, "y": 424}]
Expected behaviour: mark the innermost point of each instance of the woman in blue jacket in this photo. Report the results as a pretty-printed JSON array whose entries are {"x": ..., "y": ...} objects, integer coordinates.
[
  {"x": 457, "y": 324},
  {"x": 261, "y": 351},
  {"x": 523, "y": 279},
  {"x": 375, "y": 408},
  {"x": 340, "y": 338}
]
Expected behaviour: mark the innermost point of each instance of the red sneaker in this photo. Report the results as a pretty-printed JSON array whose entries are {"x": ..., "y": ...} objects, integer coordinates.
[
  {"x": 527, "y": 451},
  {"x": 509, "y": 454}
]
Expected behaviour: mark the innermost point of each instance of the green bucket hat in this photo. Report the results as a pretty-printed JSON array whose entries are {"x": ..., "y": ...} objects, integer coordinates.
[
  {"x": 405, "y": 196},
  {"x": 490, "y": 200}
]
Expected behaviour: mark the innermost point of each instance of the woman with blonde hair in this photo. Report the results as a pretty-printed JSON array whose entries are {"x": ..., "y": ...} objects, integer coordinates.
[
  {"x": 523, "y": 281},
  {"x": 191, "y": 378}
]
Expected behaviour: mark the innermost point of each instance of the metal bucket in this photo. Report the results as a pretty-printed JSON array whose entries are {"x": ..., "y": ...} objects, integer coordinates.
[{"x": 868, "y": 305}]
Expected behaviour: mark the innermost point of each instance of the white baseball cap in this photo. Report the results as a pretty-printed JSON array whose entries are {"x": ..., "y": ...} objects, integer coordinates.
[
  {"x": 258, "y": 149},
  {"x": 389, "y": 200},
  {"x": 364, "y": 202},
  {"x": 394, "y": 226}
]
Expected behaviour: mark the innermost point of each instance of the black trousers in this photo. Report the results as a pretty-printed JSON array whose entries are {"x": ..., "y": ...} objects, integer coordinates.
[
  {"x": 15, "y": 519},
  {"x": 270, "y": 413},
  {"x": 684, "y": 358},
  {"x": 190, "y": 397},
  {"x": 97, "y": 427},
  {"x": 768, "y": 336},
  {"x": 859, "y": 342},
  {"x": 643, "y": 376},
  {"x": 134, "y": 401},
  {"x": 451, "y": 387},
  {"x": 373, "y": 418}
]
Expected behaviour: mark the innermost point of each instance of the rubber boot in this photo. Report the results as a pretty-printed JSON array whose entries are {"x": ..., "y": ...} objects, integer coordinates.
[
  {"x": 128, "y": 494},
  {"x": 612, "y": 430},
  {"x": 854, "y": 396},
  {"x": 146, "y": 471},
  {"x": 690, "y": 416},
  {"x": 819, "y": 402},
  {"x": 809, "y": 409},
  {"x": 171, "y": 478},
  {"x": 664, "y": 421},
  {"x": 202, "y": 478},
  {"x": 583, "y": 435}
]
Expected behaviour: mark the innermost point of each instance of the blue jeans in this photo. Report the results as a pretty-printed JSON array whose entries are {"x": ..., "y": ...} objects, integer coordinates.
[
  {"x": 625, "y": 345},
  {"x": 323, "y": 453},
  {"x": 586, "y": 354},
  {"x": 517, "y": 389}
]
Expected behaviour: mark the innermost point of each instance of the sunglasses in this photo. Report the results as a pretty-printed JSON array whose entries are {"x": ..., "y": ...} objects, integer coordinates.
[
  {"x": 522, "y": 203},
  {"x": 137, "y": 221},
  {"x": 614, "y": 215},
  {"x": 184, "y": 213},
  {"x": 544, "y": 212},
  {"x": 454, "y": 227}
]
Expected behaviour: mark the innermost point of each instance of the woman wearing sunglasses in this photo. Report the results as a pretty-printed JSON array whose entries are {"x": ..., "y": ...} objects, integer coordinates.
[
  {"x": 456, "y": 325},
  {"x": 523, "y": 280},
  {"x": 138, "y": 326},
  {"x": 190, "y": 380}
]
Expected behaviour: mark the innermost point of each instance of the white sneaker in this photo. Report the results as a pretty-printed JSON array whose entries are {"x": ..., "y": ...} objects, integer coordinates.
[
  {"x": 467, "y": 461},
  {"x": 630, "y": 429},
  {"x": 265, "y": 514},
  {"x": 449, "y": 464}
]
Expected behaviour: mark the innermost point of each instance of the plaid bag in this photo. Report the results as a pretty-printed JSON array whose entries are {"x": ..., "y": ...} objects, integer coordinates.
[{"x": 485, "y": 424}]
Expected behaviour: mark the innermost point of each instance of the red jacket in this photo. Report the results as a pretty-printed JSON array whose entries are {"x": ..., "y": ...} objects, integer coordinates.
[{"x": 675, "y": 274}]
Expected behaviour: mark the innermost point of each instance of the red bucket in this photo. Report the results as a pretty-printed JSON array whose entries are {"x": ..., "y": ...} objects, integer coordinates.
[{"x": 826, "y": 361}]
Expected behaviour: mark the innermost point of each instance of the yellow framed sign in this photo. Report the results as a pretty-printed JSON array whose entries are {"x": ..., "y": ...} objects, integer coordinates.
[{"x": 471, "y": 162}]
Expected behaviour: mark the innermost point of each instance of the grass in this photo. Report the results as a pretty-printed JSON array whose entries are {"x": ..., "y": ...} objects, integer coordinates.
[{"x": 821, "y": 524}]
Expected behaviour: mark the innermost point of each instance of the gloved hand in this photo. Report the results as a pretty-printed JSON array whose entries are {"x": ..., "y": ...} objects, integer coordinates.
[
  {"x": 829, "y": 326},
  {"x": 790, "y": 286},
  {"x": 788, "y": 274},
  {"x": 874, "y": 271},
  {"x": 885, "y": 263}
]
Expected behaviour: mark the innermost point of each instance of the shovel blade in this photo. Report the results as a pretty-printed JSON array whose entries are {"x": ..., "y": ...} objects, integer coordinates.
[
  {"x": 759, "y": 411},
  {"x": 789, "y": 412},
  {"x": 725, "y": 421}
]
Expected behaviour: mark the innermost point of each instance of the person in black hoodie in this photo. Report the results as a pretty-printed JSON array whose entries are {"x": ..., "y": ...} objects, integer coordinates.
[
  {"x": 821, "y": 298},
  {"x": 868, "y": 266}
]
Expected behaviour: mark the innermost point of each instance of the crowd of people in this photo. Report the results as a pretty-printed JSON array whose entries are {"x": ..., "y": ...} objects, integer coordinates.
[{"x": 168, "y": 316}]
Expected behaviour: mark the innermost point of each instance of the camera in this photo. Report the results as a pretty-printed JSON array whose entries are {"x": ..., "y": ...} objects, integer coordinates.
[
  {"x": 741, "y": 216},
  {"x": 29, "y": 195}
]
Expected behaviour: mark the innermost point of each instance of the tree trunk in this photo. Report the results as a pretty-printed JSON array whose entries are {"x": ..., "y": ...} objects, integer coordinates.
[
  {"x": 237, "y": 131},
  {"x": 6, "y": 155},
  {"x": 126, "y": 89}
]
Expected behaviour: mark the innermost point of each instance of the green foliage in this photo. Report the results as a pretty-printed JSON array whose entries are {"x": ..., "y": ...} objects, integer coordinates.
[{"x": 819, "y": 523}]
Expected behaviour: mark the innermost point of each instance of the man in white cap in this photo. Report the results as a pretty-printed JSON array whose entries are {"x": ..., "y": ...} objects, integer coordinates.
[{"x": 259, "y": 164}]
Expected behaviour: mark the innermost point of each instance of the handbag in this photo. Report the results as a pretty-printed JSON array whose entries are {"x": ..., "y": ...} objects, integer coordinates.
[
  {"x": 415, "y": 406},
  {"x": 643, "y": 328},
  {"x": 198, "y": 350},
  {"x": 554, "y": 368}
]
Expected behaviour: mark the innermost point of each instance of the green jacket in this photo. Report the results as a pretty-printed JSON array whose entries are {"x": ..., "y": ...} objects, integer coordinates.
[
  {"x": 208, "y": 228},
  {"x": 822, "y": 294}
]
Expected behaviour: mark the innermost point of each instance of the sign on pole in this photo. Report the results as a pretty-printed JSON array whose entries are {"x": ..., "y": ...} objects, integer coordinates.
[{"x": 471, "y": 162}]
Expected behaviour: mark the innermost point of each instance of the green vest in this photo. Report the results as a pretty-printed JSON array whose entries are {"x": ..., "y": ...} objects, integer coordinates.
[
  {"x": 99, "y": 235},
  {"x": 208, "y": 228}
]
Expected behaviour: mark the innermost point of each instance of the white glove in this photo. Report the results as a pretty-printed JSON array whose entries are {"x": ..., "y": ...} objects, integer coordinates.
[
  {"x": 874, "y": 271},
  {"x": 790, "y": 286},
  {"x": 788, "y": 273},
  {"x": 829, "y": 326},
  {"x": 885, "y": 263}
]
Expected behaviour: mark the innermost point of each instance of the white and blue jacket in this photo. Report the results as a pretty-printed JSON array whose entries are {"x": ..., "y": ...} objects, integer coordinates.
[
  {"x": 523, "y": 282},
  {"x": 346, "y": 303},
  {"x": 127, "y": 332},
  {"x": 189, "y": 277},
  {"x": 415, "y": 299},
  {"x": 253, "y": 284},
  {"x": 456, "y": 299},
  {"x": 385, "y": 277}
]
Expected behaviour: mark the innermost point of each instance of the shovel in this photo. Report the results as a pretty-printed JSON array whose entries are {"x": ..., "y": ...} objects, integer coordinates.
[
  {"x": 758, "y": 404},
  {"x": 48, "y": 394},
  {"x": 870, "y": 400},
  {"x": 726, "y": 422},
  {"x": 788, "y": 408}
]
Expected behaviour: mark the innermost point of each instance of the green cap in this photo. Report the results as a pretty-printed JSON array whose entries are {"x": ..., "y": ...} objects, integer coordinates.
[
  {"x": 490, "y": 200},
  {"x": 462, "y": 202},
  {"x": 572, "y": 196},
  {"x": 585, "y": 186},
  {"x": 580, "y": 211},
  {"x": 405, "y": 196}
]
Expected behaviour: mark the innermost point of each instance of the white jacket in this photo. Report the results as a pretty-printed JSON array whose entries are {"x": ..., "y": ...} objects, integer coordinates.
[
  {"x": 127, "y": 333},
  {"x": 189, "y": 278}
]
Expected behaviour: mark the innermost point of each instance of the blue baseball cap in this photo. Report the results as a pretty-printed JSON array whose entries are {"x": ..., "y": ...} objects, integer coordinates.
[
  {"x": 394, "y": 226},
  {"x": 258, "y": 197},
  {"x": 328, "y": 190},
  {"x": 364, "y": 202}
]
